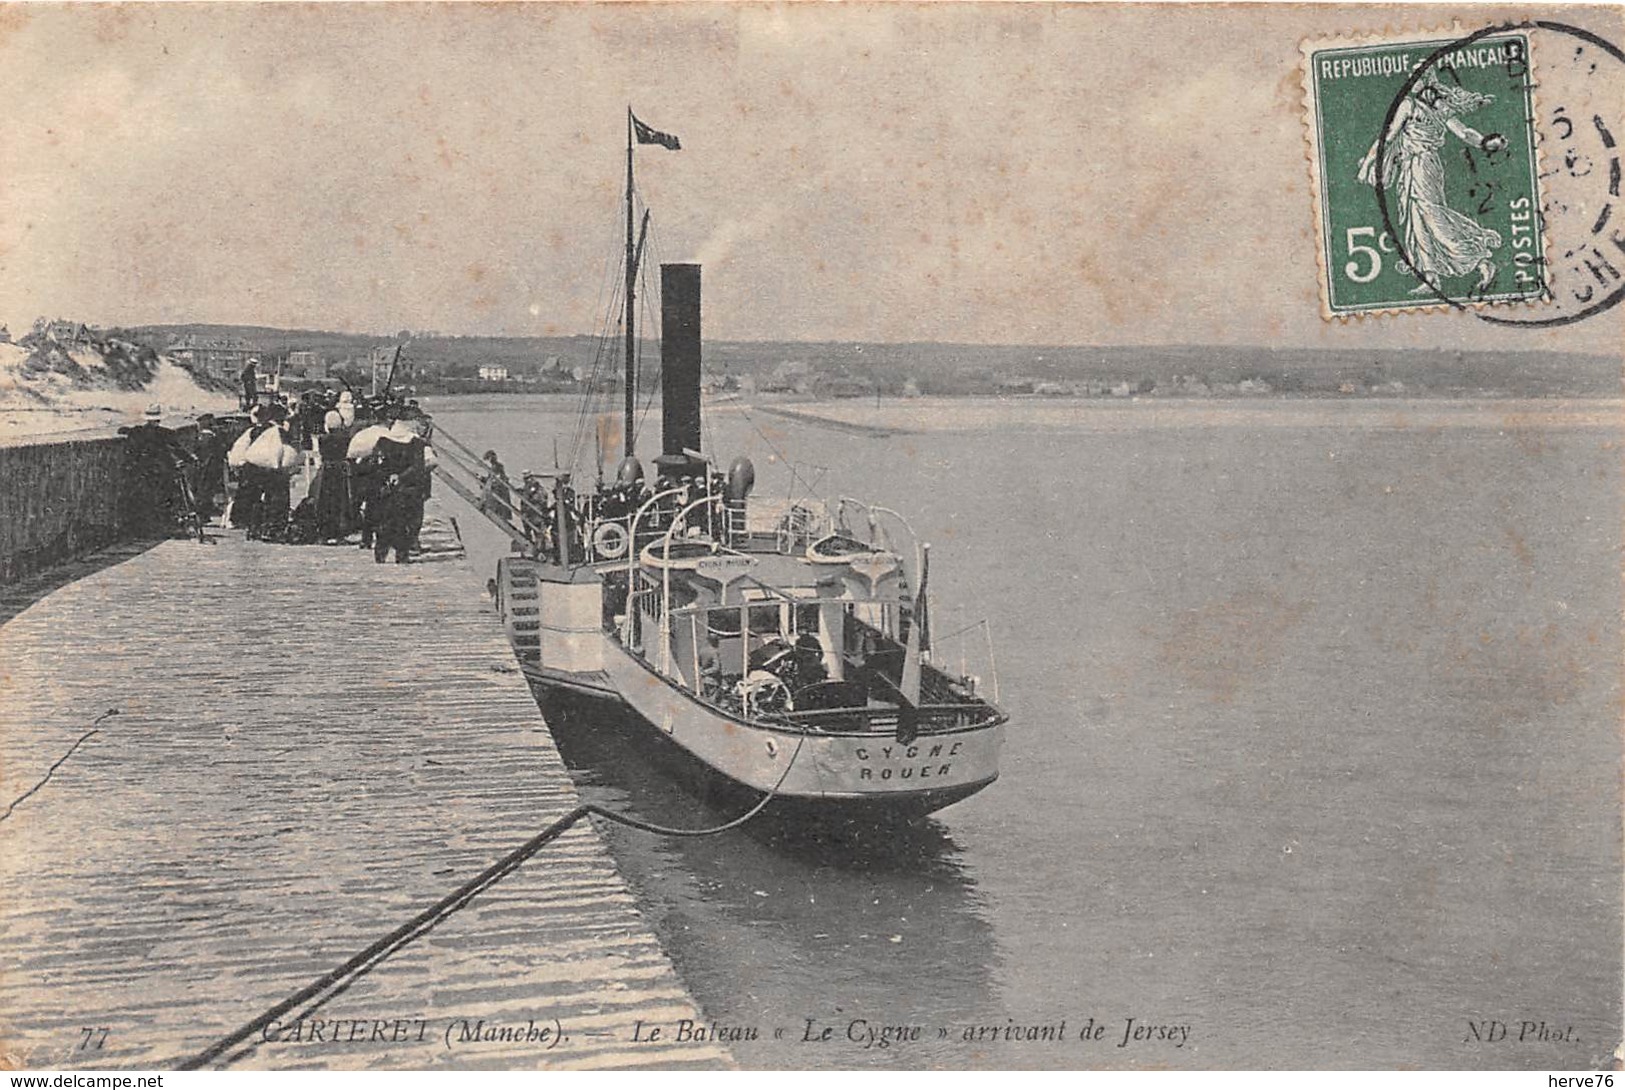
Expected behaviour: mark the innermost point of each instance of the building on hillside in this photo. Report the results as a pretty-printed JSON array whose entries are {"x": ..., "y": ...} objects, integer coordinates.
[
  {"x": 67, "y": 333},
  {"x": 305, "y": 364},
  {"x": 222, "y": 357},
  {"x": 494, "y": 374},
  {"x": 382, "y": 361}
]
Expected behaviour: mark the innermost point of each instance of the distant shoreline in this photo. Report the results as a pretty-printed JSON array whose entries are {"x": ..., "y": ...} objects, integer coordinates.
[
  {"x": 946, "y": 415},
  {"x": 793, "y": 403},
  {"x": 901, "y": 416},
  {"x": 964, "y": 415}
]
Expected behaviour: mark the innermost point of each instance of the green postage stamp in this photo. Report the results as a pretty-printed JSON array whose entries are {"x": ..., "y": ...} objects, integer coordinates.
[{"x": 1443, "y": 208}]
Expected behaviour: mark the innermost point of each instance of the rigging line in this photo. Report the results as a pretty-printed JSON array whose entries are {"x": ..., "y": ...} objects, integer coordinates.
[
  {"x": 340, "y": 979},
  {"x": 936, "y": 639},
  {"x": 602, "y": 389},
  {"x": 609, "y": 344},
  {"x": 795, "y": 475},
  {"x": 94, "y": 723},
  {"x": 637, "y": 348},
  {"x": 614, "y": 264},
  {"x": 612, "y": 260},
  {"x": 655, "y": 319},
  {"x": 590, "y": 406},
  {"x": 602, "y": 339},
  {"x": 709, "y": 430},
  {"x": 649, "y": 395}
]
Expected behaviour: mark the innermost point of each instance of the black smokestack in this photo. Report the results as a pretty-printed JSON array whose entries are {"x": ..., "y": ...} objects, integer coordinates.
[{"x": 679, "y": 358}]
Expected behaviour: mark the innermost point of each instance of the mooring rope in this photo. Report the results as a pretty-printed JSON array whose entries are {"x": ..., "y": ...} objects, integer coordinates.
[{"x": 336, "y": 982}]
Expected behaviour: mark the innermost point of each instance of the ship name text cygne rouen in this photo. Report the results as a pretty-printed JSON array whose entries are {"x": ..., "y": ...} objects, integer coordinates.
[{"x": 781, "y": 644}]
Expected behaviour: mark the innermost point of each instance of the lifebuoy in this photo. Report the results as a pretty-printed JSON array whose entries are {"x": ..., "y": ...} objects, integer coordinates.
[{"x": 610, "y": 540}]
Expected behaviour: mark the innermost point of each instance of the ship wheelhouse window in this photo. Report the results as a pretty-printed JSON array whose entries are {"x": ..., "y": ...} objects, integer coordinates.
[
  {"x": 764, "y": 619},
  {"x": 723, "y": 623},
  {"x": 807, "y": 617}
]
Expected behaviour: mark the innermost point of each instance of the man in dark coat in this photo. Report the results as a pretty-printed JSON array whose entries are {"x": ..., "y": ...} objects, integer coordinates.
[
  {"x": 277, "y": 492},
  {"x": 251, "y": 384},
  {"x": 209, "y": 474},
  {"x": 248, "y": 504},
  {"x": 152, "y": 501},
  {"x": 404, "y": 460}
]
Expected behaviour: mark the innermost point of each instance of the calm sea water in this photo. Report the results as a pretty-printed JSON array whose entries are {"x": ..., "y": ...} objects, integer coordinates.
[{"x": 1314, "y": 752}]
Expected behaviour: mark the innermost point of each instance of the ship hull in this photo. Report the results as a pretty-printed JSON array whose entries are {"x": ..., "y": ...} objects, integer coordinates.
[
  {"x": 597, "y": 732},
  {"x": 859, "y": 775}
]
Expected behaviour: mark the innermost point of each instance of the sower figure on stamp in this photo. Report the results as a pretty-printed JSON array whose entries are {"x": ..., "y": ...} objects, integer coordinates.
[{"x": 1439, "y": 241}]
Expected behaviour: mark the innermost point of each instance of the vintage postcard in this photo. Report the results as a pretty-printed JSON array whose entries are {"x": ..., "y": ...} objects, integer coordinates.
[{"x": 941, "y": 537}]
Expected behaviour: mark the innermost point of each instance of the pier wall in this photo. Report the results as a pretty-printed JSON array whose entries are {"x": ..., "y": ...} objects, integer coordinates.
[{"x": 58, "y": 500}]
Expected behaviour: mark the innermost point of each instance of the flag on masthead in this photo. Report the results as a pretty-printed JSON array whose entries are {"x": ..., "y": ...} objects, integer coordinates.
[{"x": 646, "y": 135}]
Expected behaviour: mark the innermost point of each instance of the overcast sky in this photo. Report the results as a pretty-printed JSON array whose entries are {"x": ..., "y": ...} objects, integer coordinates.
[{"x": 1024, "y": 174}]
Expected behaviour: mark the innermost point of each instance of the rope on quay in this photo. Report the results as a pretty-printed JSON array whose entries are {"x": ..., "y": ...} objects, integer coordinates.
[
  {"x": 334, "y": 983},
  {"x": 94, "y": 724}
]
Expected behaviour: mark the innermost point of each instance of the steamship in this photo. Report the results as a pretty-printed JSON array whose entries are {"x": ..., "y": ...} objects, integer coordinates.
[{"x": 783, "y": 646}]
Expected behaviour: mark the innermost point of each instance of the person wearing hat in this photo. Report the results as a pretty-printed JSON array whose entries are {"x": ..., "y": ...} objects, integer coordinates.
[
  {"x": 332, "y": 485},
  {"x": 249, "y": 506},
  {"x": 346, "y": 408},
  {"x": 277, "y": 495},
  {"x": 152, "y": 501},
  {"x": 209, "y": 474},
  {"x": 498, "y": 497},
  {"x": 809, "y": 661},
  {"x": 404, "y": 463},
  {"x": 251, "y": 383}
]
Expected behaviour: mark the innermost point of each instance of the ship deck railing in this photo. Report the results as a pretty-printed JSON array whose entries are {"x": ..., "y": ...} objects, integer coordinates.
[
  {"x": 759, "y": 525},
  {"x": 877, "y": 719},
  {"x": 928, "y": 718}
]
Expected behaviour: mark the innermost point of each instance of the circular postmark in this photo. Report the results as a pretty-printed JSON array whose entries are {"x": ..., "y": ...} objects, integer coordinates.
[{"x": 1566, "y": 256}]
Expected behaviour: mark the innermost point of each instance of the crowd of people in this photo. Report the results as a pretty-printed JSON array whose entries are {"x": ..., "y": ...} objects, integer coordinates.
[{"x": 372, "y": 462}]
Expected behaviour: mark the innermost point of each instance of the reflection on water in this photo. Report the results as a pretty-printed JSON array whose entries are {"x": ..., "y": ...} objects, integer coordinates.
[{"x": 878, "y": 914}]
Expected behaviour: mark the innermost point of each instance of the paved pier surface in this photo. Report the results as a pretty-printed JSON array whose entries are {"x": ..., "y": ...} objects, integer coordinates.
[{"x": 310, "y": 749}]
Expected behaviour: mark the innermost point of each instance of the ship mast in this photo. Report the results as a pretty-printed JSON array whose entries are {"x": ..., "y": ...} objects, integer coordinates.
[
  {"x": 636, "y": 132},
  {"x": 631, "y": 288}
]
